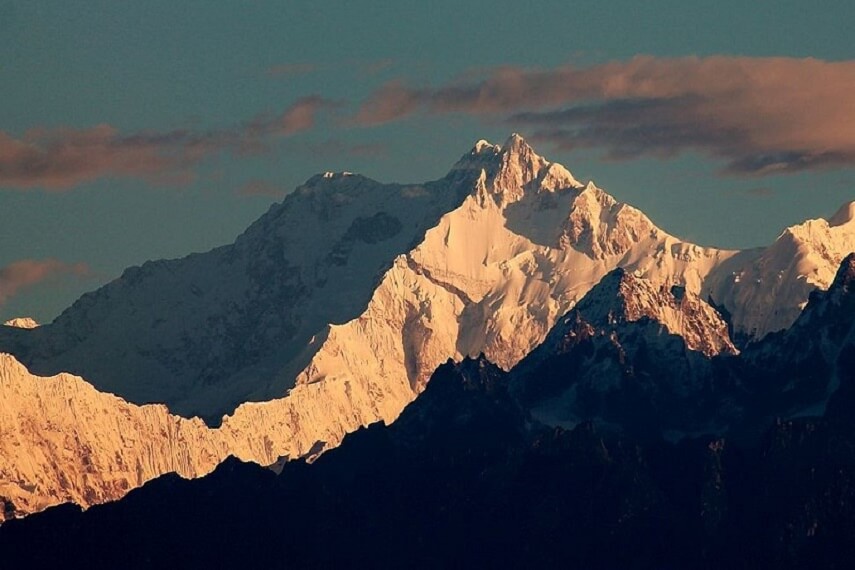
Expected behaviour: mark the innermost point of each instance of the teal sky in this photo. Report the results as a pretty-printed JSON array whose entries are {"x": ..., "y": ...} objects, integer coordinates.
[{"x": 160, "y": 67}]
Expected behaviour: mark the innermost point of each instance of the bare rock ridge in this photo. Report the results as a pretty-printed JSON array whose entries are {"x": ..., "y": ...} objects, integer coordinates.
[{"x": 334, "y": 308}]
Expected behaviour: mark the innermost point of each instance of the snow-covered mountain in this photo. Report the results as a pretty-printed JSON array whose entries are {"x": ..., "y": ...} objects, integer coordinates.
[
  {"x": 210, "y": 331},
  {"x": 765, "y": 290},
  {"x": 505, "y": 243},
  {"x": 620, "y": 298},
  {"x": 333, "y": 309}
]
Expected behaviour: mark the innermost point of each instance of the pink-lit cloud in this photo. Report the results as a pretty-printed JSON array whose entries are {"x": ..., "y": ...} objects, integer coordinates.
[
  {"x": 300, "y": 116},
  {"x": 760, "y": 115},
  {"x": 62, "y": 158},
  {"x": 25, "y": 273}
]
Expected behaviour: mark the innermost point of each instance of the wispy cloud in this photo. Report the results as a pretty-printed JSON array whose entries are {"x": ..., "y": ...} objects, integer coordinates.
[
  {"x": 300, "y": 116},
  {"x": 62, "y": 158},
  {"x": 760, "y": 115},
  {"x": 25, "y": 273}
]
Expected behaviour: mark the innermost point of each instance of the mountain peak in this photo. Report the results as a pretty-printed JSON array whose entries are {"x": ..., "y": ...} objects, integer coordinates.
[
  {"x": 844, "y": 215},
  {"x": 484, "y": 146},
  {"x": 22, "y": 323},
  {"x": 515, "y": 143},
  {"x": 517, "y": 152},
  {"x": 513, "y": 169}
]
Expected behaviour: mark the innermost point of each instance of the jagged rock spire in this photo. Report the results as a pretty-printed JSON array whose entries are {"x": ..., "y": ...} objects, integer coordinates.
[{"x": 513, "y": 169}]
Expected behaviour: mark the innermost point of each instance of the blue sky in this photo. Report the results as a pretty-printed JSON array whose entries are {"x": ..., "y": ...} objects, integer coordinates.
[{"x": 191, "y": 79}]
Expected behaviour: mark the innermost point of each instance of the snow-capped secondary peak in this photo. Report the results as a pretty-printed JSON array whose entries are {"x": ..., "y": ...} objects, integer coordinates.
[
  {"x": 483, "y": 146},
  {"x": 609, "y": 350},
  {"x": 22, "y": 323},
  {"x": 844, "y": 215},
  {"x": 621, "y": 297},
  {"x": 768, "y": 293}
]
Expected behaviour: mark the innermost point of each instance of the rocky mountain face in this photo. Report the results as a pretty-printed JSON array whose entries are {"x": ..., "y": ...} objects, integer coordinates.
[
  {"x": 332, "y": 311},
  {"x": 63, "y": 441},
  {"x": 643, "y": 356},
  {"x": 816, "y": 352}
]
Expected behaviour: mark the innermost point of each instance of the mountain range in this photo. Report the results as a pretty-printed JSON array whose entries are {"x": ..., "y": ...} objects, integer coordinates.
[
  {"x": 334, "y": 310},
  {"x": 469, "y": 476}
]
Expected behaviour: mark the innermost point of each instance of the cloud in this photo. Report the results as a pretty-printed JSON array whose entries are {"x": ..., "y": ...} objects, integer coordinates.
[
  {"x": 760, "y": 115},
  {"x": 300, "y": 116},
  {"x": 20, "y": 275},
  {"x": 394, "y": 101},
  {"x": 62, "y": 158}
]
